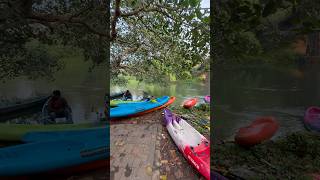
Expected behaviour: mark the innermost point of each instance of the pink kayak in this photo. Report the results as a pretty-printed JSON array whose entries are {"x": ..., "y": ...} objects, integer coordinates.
[
  {"x": 312, "y": 118},
  {"x": 207, "y": 99},
  {"x": 194, "y": 146}
]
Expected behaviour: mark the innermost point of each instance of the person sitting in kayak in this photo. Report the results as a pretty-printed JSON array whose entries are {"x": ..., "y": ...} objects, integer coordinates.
[
  {"x": 153, "y": 99},
  {"x": 127, "y": 95},
  {"x": 58, "y": 107}
]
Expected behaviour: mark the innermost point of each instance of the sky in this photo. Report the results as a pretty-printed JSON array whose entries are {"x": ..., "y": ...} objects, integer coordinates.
[{"x": 205, "y": 3}]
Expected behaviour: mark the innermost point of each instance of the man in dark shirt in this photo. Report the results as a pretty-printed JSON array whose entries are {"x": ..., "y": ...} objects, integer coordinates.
[
  {"x": 127, "y": 95},
  {"x": 58, "y": 107}
]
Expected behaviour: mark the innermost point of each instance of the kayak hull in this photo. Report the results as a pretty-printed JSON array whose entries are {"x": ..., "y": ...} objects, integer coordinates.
[
  {"x": 61, "y": 135},
  {"x": 194, "y": 146},
  {"x": 23, "y": 106},
  {"x": 259, "y": 130},
  {"x": 41, "y": 157},
  {"x": 15, "y": 132},
  {"x": 117, "y": 95},
  {"x": 171, "y": 100},
  {"x": 207, "y": 99},
  {"x": 131, "y": 109}
]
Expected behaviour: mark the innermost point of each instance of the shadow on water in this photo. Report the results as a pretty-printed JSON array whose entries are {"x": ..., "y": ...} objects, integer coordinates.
[{"x": 243, "y": 93}]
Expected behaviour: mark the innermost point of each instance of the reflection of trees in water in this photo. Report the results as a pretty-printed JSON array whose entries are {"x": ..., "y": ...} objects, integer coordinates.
[
  {"x": 311, "y": 84},
  {"x": 260, "y": 86}
]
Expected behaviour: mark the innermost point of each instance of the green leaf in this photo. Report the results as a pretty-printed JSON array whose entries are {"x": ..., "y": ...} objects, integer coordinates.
[
  {"x": 193, "y": 3},
  {"x": 185, "y": 3}
]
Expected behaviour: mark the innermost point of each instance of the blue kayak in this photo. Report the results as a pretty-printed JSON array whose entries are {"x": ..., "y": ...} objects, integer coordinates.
[
  {"x": 56, "y": 135},
  {"x": 44, "y": 156},
  {"x": 129, "y": 109}
]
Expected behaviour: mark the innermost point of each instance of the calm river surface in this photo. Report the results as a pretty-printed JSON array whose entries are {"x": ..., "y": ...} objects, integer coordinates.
[
  {"x": 180, "y": 89},
  {"x": 243, "y": 93}
]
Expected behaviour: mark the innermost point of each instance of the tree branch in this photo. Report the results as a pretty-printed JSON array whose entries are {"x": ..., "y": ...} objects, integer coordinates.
[
  {"x": 114, "y": 20},
  {"x": 64, "y": 19}
]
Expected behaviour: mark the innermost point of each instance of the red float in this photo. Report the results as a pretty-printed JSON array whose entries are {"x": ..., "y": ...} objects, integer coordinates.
[
  {"x": 261, "y": 129},
  {"x": 189, "y": 103}
]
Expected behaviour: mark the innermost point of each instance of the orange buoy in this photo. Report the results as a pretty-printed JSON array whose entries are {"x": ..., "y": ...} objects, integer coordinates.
[
  {"x": 261, "y": 129},
  {"x": 189, "y": 103}
]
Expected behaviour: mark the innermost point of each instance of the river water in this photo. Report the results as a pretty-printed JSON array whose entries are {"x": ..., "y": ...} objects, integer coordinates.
[
  {"x": 180, "y": 89},
  {"x": 83, "y": 90},
  {"x": 244, "y": 93}
]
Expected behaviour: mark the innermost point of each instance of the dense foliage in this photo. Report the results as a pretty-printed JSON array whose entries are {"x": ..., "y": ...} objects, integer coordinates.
[
  {"x": 246, "y": 28},
  {"x": 82, "y": 24},
  {"x": 159, "y": 39}
]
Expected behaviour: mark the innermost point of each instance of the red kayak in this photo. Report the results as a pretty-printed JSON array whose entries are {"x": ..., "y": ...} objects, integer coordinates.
[
  {"x": 312, "y": 118},
  {"x": 259, "y": 130},
  {"x": 193, "y": 145},
  {"x": 189, "y": 103}
]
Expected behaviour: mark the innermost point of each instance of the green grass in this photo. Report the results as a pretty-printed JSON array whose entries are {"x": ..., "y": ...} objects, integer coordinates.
[
  {"x": 295, "y": 156},
  {"x": 198, "y": 117}
]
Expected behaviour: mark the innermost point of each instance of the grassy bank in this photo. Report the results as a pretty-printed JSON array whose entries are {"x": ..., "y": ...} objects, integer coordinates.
[
  {"x": 198, "y": 117},
  {"x": 295, "y": 156}
]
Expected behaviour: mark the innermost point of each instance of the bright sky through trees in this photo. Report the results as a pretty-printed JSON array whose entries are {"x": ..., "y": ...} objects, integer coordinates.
[{"x": 205, "y": 4}]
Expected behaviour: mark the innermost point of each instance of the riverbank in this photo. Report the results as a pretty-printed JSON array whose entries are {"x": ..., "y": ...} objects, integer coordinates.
[
  {"x": 198, "y": 117},
  {"x": 295, "y": 156},
  {"x": 161, "y": 158}
]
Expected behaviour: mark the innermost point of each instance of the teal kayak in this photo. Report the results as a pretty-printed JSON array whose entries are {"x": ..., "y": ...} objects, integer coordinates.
[
  {"x": 14, "y": 132},
  {"x": 129, "y": 109},
  {"x": 46, "y": 156},
  {"x": 56, "y": 135}
]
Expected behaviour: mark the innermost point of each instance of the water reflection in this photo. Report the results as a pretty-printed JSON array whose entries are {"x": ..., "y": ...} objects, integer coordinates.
[{"x": 243, "y": 93}]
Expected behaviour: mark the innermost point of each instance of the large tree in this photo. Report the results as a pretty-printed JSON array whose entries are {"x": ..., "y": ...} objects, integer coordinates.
[
  {"x": 82, "y": 24},
  {"x": 154, "y": 39}
]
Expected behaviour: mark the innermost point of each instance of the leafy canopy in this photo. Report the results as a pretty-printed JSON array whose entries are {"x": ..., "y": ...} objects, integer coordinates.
[{"x": 155, "y": 39}]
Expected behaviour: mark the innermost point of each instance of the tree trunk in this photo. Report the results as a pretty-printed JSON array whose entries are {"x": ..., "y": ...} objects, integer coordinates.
[{"x": 313, "y": 45}]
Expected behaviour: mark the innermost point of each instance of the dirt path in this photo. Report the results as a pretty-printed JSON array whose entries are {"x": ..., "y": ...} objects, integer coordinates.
[{"x": 142, "y": 149}]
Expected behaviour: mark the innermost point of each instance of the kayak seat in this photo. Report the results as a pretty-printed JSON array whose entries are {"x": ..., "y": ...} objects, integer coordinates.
[{"x": 177, "y": 126}]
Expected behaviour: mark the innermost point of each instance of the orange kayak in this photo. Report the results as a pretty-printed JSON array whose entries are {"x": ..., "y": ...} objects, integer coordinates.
[
  {"x": 171, "y": 100},
  {"x": 189, "y": 103},
  {"x": 259, "y": 130}
]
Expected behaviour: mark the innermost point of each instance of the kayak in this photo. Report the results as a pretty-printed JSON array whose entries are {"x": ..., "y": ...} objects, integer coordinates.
[
  {"x": 23, "y": 105},
  {"x": 117, "y": 102},
  {"x": 259, "y": 130},
  {"x": 39, "y": 157},
  {"x": 171, "y": 100},
  {"x": 116, "y": 95},
  {"x": 194, "y": 146},
  {"x": 312, "y": 118},
  {"x": 207, "y": 99},
  {"x": 15, "y": 132},
  {"x": 102, "y": 163},
  {"x": 56, "y": 135},
  {"x": 130, "y": 109},
  {"x": 189, "y": 103}
]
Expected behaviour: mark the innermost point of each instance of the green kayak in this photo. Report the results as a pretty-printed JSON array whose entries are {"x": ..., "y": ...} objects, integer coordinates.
[
  {"x": 14, "y": 132},
  {"x": 116, "y": 102}
]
